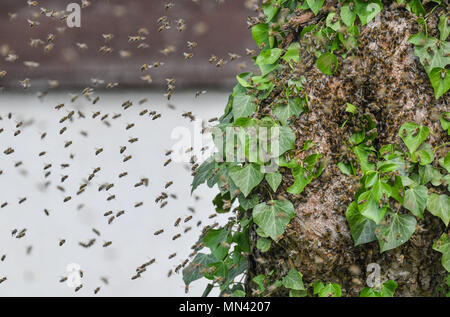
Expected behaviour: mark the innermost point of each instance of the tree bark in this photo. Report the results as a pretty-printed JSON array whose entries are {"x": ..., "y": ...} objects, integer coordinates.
[{"x": 384, "y": 79}]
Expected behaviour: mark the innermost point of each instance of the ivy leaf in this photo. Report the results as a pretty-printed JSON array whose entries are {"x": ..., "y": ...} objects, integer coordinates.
[
  {"x": 270, "y": 10},
  {"x": 287, "y": 140},
  {"x": 260, "y": 33},
  {"x": 268, "y": 56},
  {"x": 366, "y": 11},
  {"x": 293, "y": 109},
  {"x": 416, "y": 200},
  {"x": 362, "y": 229},
  {"x": 263, "y": 244},
  {"x": 443, "y": 246},
  {"x": 444, "y": 27},
  {"x": 243, "y": 106},
  {"x": 301, "y": 179},
  {"x": 362, "y": 154},
  {"x": 292, "y": 53},
  {"x": 424, "y": 155},
  {"x": 274, "y": 180},
  {"x": 293, "y": 280},
  {"x": 413, "y": 135},
  {"x": 445, "y": 162},
  {"x": 193, "y": 272},
  {"x": 315, "y": 5},
  {"x": 351, "y": 108},
  {"x": 395, "y": 230},
  {"x": 348, "y": 16},
  {"x": 204, "y": 172},
  {"x": 273, "y": 217},
  {"x": 346, "y": 169},
  {"x": 417, "y": 7},
  {"x": 246, "y": 178},
  {"x": 248, "y": 203},
  {"x": 439, "y": 206},
  {"x": 440, "y": 84},
  {"x": 329, "y": 290},
  {"x": 445, "y": 121},
  {"x": 388, "y": 288},
  {"x": 243, "y": 80},
  {"x": 213, "y": 240},
  {"x": 327, "y": 63}
]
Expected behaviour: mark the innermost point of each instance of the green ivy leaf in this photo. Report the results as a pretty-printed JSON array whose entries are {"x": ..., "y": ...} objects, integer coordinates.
[
  {"x": 443, "y": 246},
  {"x": 444, "y": 27},
  {"x": 214, "y": 239},
  {"x": 260, "y": 33},
  {"x": 445, "y": 121},
  {"x": 293, "y": 280},
  {"x": 413, "y": 135},
  {"x": 246, "y": 178},
  {"x": 268, "y": 56},
  {"x": 368, "y": 206},
  {"x": 445, "y": 162},
  {"x": 439, "y": 206},
  {"x": 348, "y": 16},
  {"x": 362, "y": 154},
  {"x": 416, "y": 200},
  {"x": 263, "y": 244},
  {"x": 273, "y": 217},
  {"x": 292, "y": 53},
  {"x": 417, "y": 7},
  {"x": 270, "y": 10},
  {"x": 367, "y": 10},
  {"x": 204, "y": 172},
  {"x": 243, "y": 80},
  {"x": 293, "y": 109},
  {"x": 388, "y": 288},
  {"x": 440, "y": 85},
  {"x": 327, "y": 63},
  {"x": 301, "y": 179},
  {"x": 193, "y": 272},
  {"x": 274, "y": 180},
  {"x": 248, "y": 203},
  {"x": 424, "y": 155},
  {"x": 315, "y": 5},
  {"x": 362, "y": 229},
  {"x": 395, "y": 230},
  {"x": 243, "y": 106},
  {"x": 329, "y": 290},
  {"x": 346, "y": 169},
  {"x": 351, "y": 108}
]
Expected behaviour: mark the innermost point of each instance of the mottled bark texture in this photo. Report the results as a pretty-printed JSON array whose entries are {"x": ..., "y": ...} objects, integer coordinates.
[{"x": 385, "y": 80}]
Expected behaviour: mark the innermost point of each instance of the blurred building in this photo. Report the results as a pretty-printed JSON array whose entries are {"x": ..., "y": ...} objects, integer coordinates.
[{"x": 219, "y": 28}]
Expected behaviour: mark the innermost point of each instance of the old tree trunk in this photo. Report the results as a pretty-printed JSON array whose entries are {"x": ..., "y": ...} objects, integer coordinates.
[{"x": 384, "y": 79}]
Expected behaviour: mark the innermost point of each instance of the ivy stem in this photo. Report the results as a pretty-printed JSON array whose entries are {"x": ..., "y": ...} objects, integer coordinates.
[{"x": 442, "y": 145}]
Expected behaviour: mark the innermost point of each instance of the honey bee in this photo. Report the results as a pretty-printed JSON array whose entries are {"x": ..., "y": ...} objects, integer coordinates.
[
  {"x": 176, "y": 236},
  {"x": 123, "y": 174},
  {"x": 157, "y": 233},
  {"x": 97, "y": 290},
  {"x": 191, "y": 45},
  {"x": 167, "y": 162},
  {"x": 3, "y": 258},
  {"x": 107, "y": 244},
  {"x": 79, "y": 287},
  {"x": 168, "y": 184},
  {"x": 138, "y": 204},
  {"x": 108, "y": 37},
  {"x": 62, "y": 242},
  {"x": 98, "y": 151}
]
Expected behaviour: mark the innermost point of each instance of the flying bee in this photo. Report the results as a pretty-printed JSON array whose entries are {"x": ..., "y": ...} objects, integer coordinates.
[
  {"x": 133, "y": 140},
  {"x": 167, "y": 162},
  {"x": 32, "y": 24},
  {"x": 138, "y": 204},
  {"x": 106, "y": 50},
  {"x": 200, "y": 92},
  {"x": 3, "y": 258},
  {"x": 168, "y": 184},
  {"x": 123, "y": 174},
  {"x": 233, "y": 56},
  {"x": 120, "y": 213},
  {"x": 3, "y": 73},
  {"x": 8, "y": 151},
  {"x": 68, "y": 198},
  {"x": 191, "y": 45},
  {"x": 107, "y": 244},
  {"x": 98, "y": 151},
  {"x": 64, "y": 129},
  {"x": 108, "y": 37},
  {"x": 127, "y": 158},
  {"x": 79, "y": 287},
  {"x": 221, "y": 63},
  {"x": 4, "y": 205},
  {"x": 187, "y": 229},
  {"x": 176, "y": 237},
  {"x": 136, "y": 38},
  {"x": 111, "y": 85},
  {"x": 111, "y": 219},
  {"x": 97, "y": 290},
  {"x": 3, "y": 279},
  {"x": 61, "y": 242},
  {"x": 187, "y": 219},
  {"x": 112, "y": 197},
  {"x": 157, "y": 233},
  {"x": 25, "y": 83}
]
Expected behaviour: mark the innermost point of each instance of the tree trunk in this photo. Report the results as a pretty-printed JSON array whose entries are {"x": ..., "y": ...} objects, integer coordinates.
[{"x": 384, "y": 79}]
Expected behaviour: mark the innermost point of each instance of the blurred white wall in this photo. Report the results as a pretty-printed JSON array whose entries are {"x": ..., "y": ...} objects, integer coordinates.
[{"x": 132, "y": 234}]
